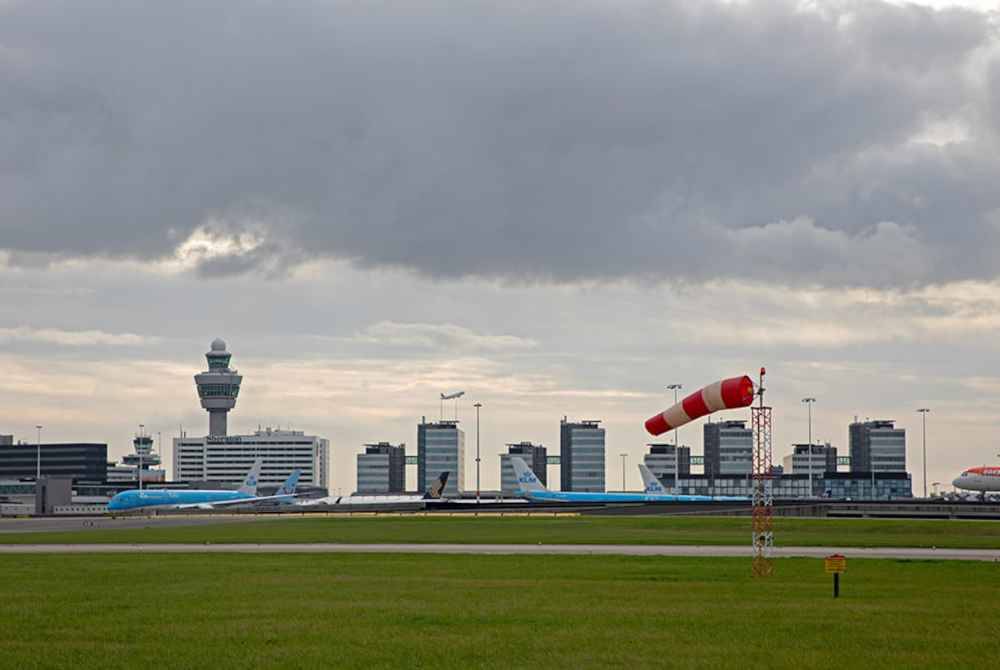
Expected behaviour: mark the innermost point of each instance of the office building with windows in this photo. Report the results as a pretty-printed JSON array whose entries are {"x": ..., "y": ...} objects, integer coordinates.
[
  {"x": 382, "y": 469},
  {"x": 535, "y": 455},
  {"x": 665, "y": 461},
  {"x": 581, "y": 456},
  {"x": 440, "y": 448},
  {"x": 226, "y": 459},
  {"x": 728, "y": 448},
  {"x": 77, "y": 460},
  {"x": 877, "y": 446},
  {"x": 823, "y": 457}
]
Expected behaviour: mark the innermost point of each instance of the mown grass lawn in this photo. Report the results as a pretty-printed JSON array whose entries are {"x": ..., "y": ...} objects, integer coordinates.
[
  {"x": 458, "y": 611},
  {"x": 554, "y": 530}
]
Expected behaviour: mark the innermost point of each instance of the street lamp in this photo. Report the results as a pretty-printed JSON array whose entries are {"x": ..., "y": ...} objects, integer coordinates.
[
  {"x": 677, "y": 454},
  {"x": 624, "y": 456},
  {"x": 38, "y": 456},
  {"x": 138, "y": 448},
  {"x": 923, "y": 411},
  {"x": 809, "y": 403},
  {"x": 477, "y": 406}
]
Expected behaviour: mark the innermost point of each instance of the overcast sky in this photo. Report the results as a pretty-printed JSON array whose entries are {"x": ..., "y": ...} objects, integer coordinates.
[{"x": 558, "y": 207}]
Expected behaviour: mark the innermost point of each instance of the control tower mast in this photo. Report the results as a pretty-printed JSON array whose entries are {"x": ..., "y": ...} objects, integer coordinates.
[{"x": 218, "y": 387}]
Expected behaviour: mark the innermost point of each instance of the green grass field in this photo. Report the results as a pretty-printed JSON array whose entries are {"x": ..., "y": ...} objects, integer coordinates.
[
  {"x": 393, "y": 611},
  {"x": 555, "y": 530}
]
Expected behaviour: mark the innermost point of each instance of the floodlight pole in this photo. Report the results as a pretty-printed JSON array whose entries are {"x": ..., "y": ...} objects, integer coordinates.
[
  {"x": 809, "y": 403},
  {"x": 138, "y": 448},
  {"x": 477, "y": 406},
  {"x": 677, "y": 452},
  {"x": 923, "y": 412}
]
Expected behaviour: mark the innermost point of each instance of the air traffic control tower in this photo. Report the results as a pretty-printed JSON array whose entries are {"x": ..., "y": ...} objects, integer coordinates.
[{"x": 218, "y": 388}]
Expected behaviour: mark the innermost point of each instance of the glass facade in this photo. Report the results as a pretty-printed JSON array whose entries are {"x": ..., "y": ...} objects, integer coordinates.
[
  {"x": 877, "y": 446},
  {"x": 728, "y": 448},
  {"x": 441, "y": 448},
  {"x": 218, "y": 390},
  {"x": 382, "y": 469},
  {"x": 581, "y": 456}
]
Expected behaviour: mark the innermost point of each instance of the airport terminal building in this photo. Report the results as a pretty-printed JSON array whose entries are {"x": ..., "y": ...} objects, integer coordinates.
[{"x": 227, "y": 458}]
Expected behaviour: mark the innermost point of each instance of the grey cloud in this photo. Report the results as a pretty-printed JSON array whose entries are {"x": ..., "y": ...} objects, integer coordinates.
[{"x": 557, "y": 141}]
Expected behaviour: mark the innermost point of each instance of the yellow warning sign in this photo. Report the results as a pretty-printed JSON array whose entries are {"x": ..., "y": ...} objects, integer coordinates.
[{"x": 835, "y": 564}]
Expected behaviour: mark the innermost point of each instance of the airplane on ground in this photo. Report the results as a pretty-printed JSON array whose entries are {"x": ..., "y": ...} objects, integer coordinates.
[
  {"x": 532, "y": 489},
  {"x": 984, "y": 479},
  {"x": 135, "y": 499},
  {"x": 653, "y": 485},
  {"x": 433, "y": 494}
]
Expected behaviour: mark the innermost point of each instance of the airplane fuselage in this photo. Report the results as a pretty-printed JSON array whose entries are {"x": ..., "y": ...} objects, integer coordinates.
[
  {"x": 597, "y": 497},
  {"x": 135, "y": 499},
  {"x": 983, "y": 479}
]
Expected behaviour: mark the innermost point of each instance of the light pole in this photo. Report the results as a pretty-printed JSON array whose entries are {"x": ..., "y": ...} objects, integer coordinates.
[
  {"x": 677, "y": 453},
  {"x": 477, "y": 406},
  {"x": 624, "y": 456},
  {"x": 809, "y": 404},
  {"x": 38, "y": 455},
  {"x": 138, "y": 448},
  {"x": 923, "y": 411}
]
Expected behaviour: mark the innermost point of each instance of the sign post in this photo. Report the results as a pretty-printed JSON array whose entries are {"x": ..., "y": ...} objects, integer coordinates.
[{"x": 834, "y": 565}]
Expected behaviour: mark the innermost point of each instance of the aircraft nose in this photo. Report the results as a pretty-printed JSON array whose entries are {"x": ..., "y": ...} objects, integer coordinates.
[{"x": 955, "y": 482}]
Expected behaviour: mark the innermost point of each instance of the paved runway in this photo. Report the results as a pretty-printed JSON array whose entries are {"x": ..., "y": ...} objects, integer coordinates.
[
  {"x": 501, "y": 549},
  {"x": 73, "y": 523}
]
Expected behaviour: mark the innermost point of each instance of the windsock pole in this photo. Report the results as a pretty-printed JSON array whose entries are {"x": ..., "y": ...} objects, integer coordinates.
[{"x": 763, "y": 501}]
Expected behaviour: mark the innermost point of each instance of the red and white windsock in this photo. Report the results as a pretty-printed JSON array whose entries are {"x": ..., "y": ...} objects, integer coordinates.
[{"x": 726, "y": 394}]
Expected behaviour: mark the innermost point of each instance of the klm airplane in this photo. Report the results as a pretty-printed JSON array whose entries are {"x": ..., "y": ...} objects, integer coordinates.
[
  {"x": 135, "y": 499},
  {"x": 532, "y": 489}
]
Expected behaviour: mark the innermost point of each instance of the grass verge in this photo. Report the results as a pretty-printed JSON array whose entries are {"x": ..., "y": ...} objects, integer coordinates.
[
  {"x": 548, "y": 530},
  {"x": 392, "y": 611}
]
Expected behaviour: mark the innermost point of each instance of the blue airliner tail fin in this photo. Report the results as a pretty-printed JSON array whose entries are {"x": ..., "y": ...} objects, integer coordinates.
[{"x": 288, "y": 488}]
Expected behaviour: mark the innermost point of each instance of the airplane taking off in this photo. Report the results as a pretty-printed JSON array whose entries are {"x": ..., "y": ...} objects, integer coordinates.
[
  {"x": 375, "y": 500},
  {"x": 984, "y": 479},
  {"x": 135, "y": 499},
  {"x": 532, "y": 489}
]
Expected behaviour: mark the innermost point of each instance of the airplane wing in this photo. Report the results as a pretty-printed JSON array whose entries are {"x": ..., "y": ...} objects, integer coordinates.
[{"x": 236, "y": 501}]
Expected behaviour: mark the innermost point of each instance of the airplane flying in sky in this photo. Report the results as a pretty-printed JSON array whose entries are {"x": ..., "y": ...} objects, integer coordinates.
[
  {"x": 984, "y": 479},
  {"x": 532, "y": 489},
  {"x": 375, "y": 500},
  {"x": 135, "y": 499}
]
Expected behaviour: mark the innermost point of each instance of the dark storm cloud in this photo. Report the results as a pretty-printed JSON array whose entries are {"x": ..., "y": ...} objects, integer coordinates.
[{"x": 553, "y": 140}]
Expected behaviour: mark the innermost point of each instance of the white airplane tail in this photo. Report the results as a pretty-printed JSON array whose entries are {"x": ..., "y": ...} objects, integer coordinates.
[
  {"x": 288, "y": 488},
  {"x": 250, "y": 483},
  {"x": 526, "y": 480},
  {"x": 649, "y": 480}
]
